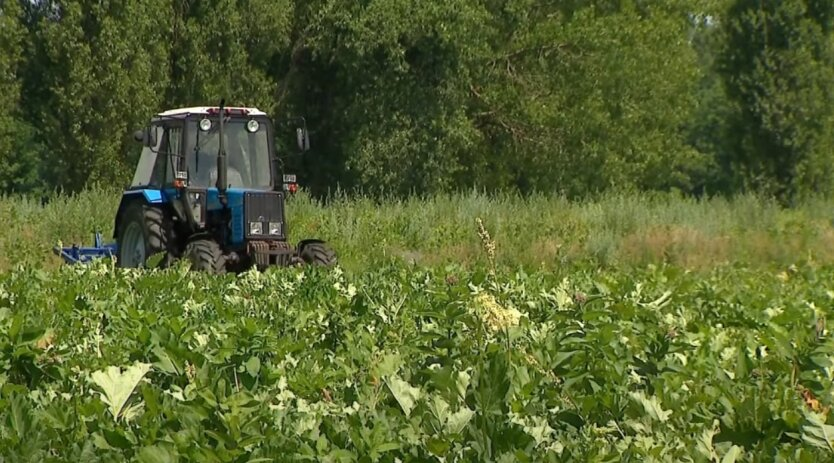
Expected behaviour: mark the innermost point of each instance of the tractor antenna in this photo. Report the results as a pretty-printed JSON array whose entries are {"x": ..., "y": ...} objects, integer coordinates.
[{"x": 221, "y": 160}]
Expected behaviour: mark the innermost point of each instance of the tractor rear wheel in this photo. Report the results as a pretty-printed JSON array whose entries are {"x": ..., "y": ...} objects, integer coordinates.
[
  {"x": 317, "y": 253},
  {"x": 141, "y": 235},
  {"x": 205, "y": 255}
]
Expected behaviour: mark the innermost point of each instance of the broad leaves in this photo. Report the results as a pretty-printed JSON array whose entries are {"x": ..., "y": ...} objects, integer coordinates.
[
  {"x": 406, "y": 395},
  {"x": 117, "y": 386},
  {"x": 293, "y": 364},
  {"x": 815, "y": 432}
]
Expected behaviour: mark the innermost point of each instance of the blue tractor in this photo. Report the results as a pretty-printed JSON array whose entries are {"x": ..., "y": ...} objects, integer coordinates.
[{"x": 207, "y": 188}]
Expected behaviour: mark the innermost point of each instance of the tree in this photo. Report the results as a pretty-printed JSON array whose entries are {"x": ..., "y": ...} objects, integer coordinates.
[
  {"x": 385, "y": 85},
  {"x": 11, "y": 38},
  {"x": 18, "y": 164},
  {"x": 514, "y": 93},
  {"x": 573, "y": 97},
  {"x": 777, "y": 66},
  {"x": 98, "y": 72},
  {"x": 229, "y": 49},
  {"x": 592, "y": 96},
  {"x": 709, "y": 127}
]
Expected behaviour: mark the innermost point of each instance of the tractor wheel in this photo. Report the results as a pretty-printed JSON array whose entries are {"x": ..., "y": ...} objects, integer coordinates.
[
  {"x": 317, "y": 253},
  {"x": 206, "y": 256},
  {"x": 141, "y": 235}
]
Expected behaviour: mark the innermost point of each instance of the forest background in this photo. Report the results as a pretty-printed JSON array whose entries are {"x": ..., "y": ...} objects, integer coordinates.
[{"x": 570, "y": 97}]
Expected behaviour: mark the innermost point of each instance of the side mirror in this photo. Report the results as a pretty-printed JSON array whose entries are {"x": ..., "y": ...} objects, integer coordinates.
[
  {"x": 303, "y": 139},
  {"x": 146, "y": 136}
]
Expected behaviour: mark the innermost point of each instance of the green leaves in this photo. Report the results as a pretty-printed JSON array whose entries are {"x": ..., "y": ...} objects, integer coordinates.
[
  {"x": 452, "y": 422},
  {"x": 117, "y": 386},
  {"x": 817, "y": 433},
  {"x": 733, "y": 454},
  {"x": 156, "y": 454},
  {"x": 652, "y": 407},
  {"x": 20, "y": 417},
  {"x": 405, "y": 394},
  {"x": 253, "y": 366},
  {"x": 402, "y": 370}
]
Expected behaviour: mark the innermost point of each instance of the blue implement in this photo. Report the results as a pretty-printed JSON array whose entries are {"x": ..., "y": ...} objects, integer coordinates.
[{"x": 81, "y": 255}]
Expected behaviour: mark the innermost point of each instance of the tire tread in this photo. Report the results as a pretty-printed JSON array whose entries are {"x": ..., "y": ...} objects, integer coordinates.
[
  {"x": 318, "y": 253},
  {"x": 205, "y": 255}
]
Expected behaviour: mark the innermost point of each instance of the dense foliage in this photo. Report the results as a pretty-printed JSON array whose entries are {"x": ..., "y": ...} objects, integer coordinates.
[
  {"x": 405, "y": 365},
  {"x": 572, "y": 97},
  {"x": 779, "y": 64}
]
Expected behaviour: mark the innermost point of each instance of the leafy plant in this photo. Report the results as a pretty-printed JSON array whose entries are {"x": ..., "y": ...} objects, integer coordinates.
[{"x": 415, "y": 364}]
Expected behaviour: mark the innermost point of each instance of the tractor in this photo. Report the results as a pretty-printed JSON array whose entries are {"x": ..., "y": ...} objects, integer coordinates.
[{"x": 208, "y": 188}]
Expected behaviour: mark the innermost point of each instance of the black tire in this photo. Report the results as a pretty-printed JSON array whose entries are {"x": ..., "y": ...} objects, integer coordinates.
[
  {"x": 141, "y": 226},
  {"x": 205, "y": 255},
  {"x": 317, "y": 253}
]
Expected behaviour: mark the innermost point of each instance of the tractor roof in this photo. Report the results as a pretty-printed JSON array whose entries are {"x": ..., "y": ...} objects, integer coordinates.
[{"x": 183, "y": 112}]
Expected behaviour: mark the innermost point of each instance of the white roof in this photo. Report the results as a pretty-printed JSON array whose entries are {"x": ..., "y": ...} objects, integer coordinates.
[{"x": 204, "y": 110}]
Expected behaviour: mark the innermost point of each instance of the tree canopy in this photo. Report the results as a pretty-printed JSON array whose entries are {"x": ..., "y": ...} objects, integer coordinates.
[{"x": 403, "y": 97}]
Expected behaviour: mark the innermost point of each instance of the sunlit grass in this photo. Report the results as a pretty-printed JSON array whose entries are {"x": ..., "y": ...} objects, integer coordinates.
[{"x": 534, "y": 232}]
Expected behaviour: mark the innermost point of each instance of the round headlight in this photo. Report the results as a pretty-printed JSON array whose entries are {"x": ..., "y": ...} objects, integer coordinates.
[
  {"x": 205, "y": 125},
  {"x": 253, "y": 126}
]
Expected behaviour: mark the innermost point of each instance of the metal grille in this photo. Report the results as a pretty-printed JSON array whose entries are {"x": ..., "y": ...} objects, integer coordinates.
[
  {"x": 265, "y": 208},
  {"x": 266, "y": 253}
]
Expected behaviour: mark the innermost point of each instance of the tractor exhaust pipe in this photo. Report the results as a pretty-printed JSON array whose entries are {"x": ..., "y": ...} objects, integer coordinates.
[{"x": 221, "y": 160}]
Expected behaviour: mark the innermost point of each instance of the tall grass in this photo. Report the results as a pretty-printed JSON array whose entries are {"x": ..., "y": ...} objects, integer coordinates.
[{"x": 534, "y": 232}]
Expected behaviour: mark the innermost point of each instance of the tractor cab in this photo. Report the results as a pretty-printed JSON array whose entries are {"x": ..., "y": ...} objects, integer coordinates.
[
  {"x": 207, "y": 188},
  {"x": 183, "y": 146}
]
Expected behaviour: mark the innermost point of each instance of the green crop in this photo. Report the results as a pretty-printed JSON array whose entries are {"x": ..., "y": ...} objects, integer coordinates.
[{"x": 407, "y": 364}]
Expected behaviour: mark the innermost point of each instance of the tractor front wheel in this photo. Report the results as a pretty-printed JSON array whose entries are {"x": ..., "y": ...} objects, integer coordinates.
[
  {"x": 317, "y": 253},
  {"x": 141, "y": 235},
  {"x": 206, "y": 256}
]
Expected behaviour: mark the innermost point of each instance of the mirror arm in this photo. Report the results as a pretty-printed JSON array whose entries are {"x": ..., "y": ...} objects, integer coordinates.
[
  {"x": 306, "y": 135},
  {"x": 277, "y": 186}
]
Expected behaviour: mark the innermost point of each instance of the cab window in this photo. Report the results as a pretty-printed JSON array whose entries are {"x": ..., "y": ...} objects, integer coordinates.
[{"x": 167, "y": 158}]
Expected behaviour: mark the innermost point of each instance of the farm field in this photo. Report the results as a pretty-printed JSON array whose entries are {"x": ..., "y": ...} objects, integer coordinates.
[
  {"x": 538, "y": 233},
  {"x": 398, "y": 364},
  {"x": 574, "y": 231},
  {"x": 705, "y": 341}
]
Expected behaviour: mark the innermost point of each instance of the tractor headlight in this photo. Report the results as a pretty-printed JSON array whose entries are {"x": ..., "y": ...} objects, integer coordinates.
[
  {"x": 205, "y": 125},
  {"x": 196, "y": 200},
  {"x": 275, "y": 228},
  {"x": 256, "y": 228},
  {"x": 252, "y": 126}
]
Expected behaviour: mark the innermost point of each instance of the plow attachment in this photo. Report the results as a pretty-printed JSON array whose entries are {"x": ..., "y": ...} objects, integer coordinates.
[{"x": 78, "y": 255}]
